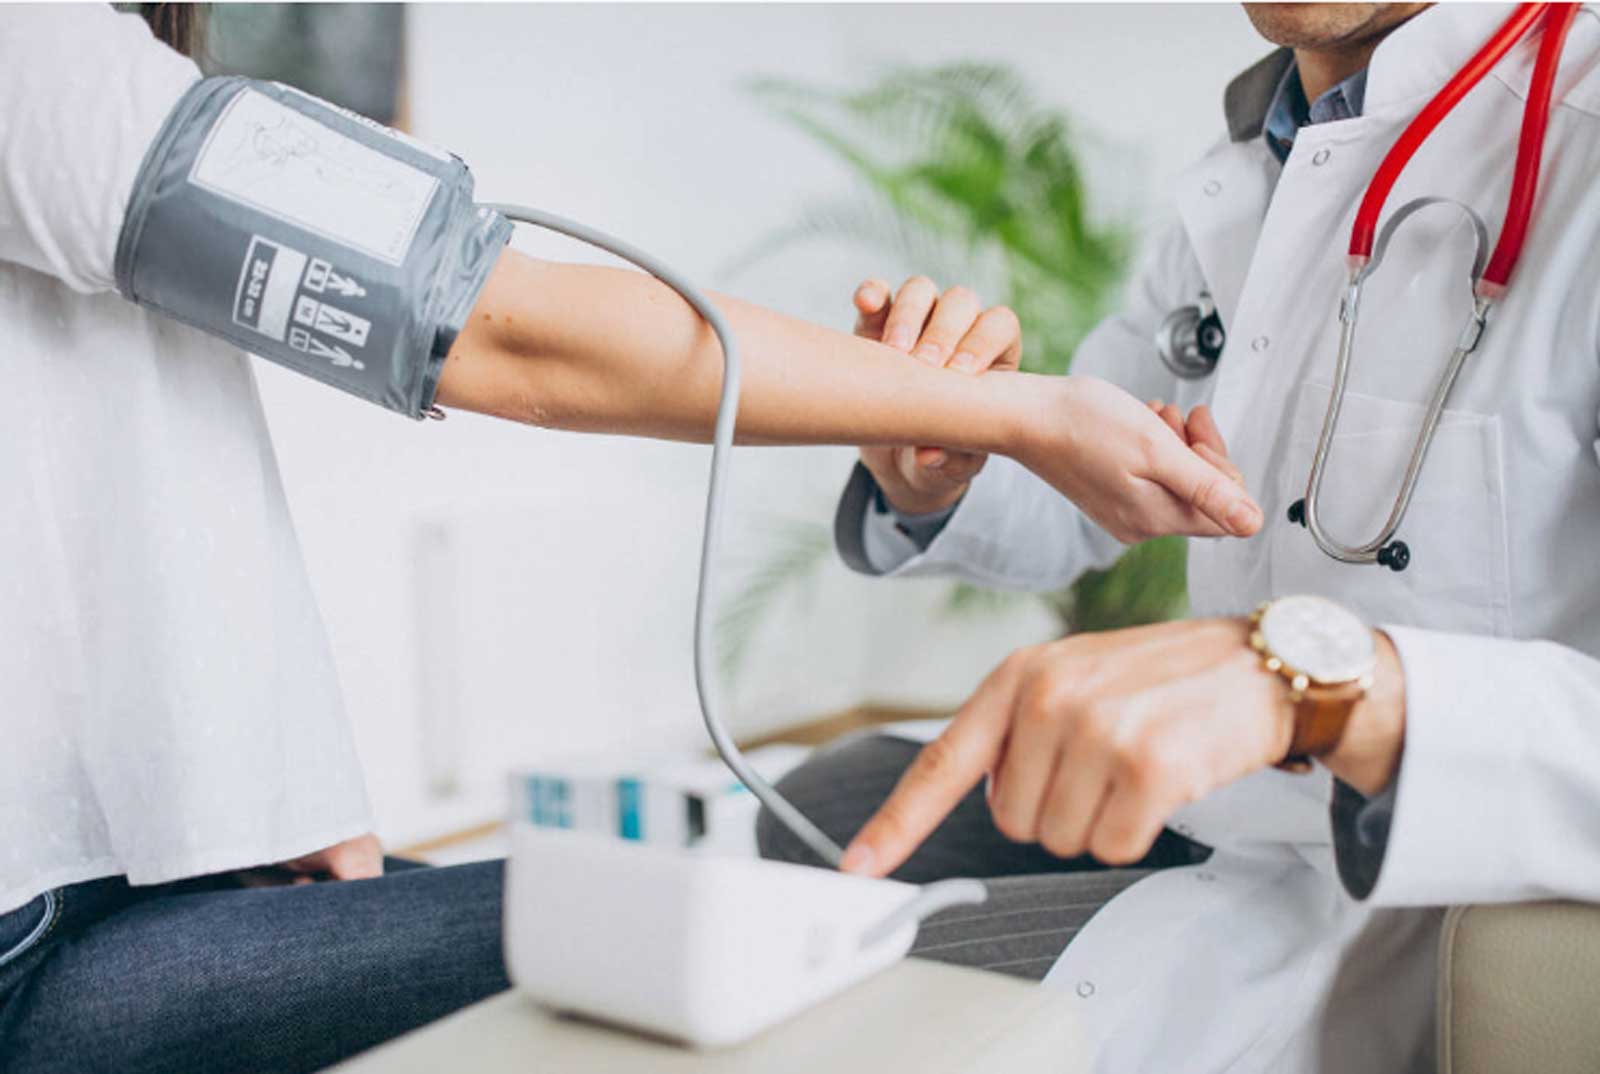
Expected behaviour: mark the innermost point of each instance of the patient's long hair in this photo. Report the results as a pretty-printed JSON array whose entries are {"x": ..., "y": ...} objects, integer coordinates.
[{"x": 181, "y": 26}]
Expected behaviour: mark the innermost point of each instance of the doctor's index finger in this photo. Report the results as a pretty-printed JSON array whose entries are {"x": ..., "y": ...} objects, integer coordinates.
[{"x": 942, "y": 774}]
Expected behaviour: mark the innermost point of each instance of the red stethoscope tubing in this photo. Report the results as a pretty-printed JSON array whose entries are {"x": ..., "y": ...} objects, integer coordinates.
[{"x": 1556, "y": 19}]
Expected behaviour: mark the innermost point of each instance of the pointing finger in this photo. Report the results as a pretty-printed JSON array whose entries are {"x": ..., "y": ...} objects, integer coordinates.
[{"x": 943, "y": 773}]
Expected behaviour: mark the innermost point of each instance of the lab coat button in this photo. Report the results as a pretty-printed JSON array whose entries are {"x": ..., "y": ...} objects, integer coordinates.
[
  {"x": 1260, "y": 343},
  {"x": 1085, "y": 989},
  {"x": 1212, "y": 188},
  {"x": 1205, "y": 878},
  {"x": 1321, "y": 158}
]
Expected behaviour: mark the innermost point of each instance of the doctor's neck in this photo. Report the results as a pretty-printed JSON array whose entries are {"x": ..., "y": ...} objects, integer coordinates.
[{"x": 1331, "y": 42}]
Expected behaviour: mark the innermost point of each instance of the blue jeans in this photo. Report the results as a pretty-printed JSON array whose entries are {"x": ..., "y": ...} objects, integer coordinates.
[{"x": 205, "y": 975}]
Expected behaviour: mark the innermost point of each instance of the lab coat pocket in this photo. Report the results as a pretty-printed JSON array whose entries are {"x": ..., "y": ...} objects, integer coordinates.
[{"x": 1458, "y": 577}]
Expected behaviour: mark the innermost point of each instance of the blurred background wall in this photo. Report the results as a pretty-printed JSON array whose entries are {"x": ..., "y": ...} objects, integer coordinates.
[{"x": 498, "y": 594}]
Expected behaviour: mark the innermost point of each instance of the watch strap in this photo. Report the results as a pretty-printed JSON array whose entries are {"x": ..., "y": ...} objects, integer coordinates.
[{"x": 1321, "y": 714}]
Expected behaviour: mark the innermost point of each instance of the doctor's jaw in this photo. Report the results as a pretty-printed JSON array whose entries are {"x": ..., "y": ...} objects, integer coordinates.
[
  {"x": 1331, "y": 42},
  {"x": 1328, "y": 26}
]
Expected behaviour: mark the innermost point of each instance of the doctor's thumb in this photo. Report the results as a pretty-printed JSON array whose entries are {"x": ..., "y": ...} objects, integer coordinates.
[{"x": 1213, "y": 493}]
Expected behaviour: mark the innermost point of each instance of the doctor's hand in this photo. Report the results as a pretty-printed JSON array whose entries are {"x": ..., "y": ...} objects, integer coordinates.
[
  {"x": 949, "y": 330},
  {"x": 1091, "y": 743}
]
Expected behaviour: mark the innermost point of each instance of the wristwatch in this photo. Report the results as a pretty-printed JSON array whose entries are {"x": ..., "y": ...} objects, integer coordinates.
[{"x": 1327, "y": 655}]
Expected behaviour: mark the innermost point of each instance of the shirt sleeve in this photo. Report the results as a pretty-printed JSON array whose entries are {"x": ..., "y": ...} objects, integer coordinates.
[
  {"x": 1360, "y": 835},
  {"x": 83, "y": 92},
  {"x": 889, "y": 537},
  {"x": 1495, "y": 799}
]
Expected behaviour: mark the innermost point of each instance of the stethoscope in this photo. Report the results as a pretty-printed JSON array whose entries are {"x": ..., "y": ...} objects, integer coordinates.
[{"x": 1190, "y": 340}]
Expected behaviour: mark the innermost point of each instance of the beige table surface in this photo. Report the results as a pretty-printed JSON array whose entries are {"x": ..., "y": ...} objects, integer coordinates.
[{"x": 916, "y": 1018}]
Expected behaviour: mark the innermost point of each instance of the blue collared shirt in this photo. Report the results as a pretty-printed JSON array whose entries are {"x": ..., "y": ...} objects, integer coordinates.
[{"x": 1289, "y": 110}]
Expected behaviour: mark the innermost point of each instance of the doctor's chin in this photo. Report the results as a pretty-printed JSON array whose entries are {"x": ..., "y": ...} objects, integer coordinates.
[{"x": 778, "y": 538}]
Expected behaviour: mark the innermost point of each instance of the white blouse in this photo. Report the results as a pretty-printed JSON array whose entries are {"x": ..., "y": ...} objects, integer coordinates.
[{"x": 170, "y": 702}]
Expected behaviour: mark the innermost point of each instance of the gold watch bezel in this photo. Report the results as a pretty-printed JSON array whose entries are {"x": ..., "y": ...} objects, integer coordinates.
[{"x": 1299, "y": 681}]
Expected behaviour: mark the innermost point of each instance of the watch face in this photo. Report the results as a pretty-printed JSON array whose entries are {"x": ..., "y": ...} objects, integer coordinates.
[{"x": 1318, "y": 637}]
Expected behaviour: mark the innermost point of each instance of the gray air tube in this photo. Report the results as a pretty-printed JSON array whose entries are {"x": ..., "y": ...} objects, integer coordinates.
[
  {"x": 310, "y": 236},
  {"x": 721, "y": 448},
  {"x": 930, "y": 898}
]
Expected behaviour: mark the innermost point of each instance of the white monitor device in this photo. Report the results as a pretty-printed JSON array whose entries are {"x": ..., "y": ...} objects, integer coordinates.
[{"x": 700, "y": 949}]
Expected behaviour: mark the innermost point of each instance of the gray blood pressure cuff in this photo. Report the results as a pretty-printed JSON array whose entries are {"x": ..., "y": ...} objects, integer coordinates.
[{"x": 308, "y": 235}]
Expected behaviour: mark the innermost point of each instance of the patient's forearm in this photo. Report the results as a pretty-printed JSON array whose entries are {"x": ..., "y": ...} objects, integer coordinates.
[{"x": 612, "y": 350}]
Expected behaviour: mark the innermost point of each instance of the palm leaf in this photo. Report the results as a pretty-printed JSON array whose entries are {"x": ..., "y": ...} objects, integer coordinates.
[{"x": 964, "y": 174}]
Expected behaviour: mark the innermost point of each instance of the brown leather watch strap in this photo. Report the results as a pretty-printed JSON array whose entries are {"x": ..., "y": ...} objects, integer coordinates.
[{"x": 1320, "y": 716}]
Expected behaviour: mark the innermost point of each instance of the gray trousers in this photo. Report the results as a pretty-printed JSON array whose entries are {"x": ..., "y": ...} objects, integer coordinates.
[{"x": 1037, "y": 902}]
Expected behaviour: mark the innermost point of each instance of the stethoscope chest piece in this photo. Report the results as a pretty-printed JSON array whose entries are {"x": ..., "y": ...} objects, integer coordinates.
[{"x": 1191, "y": 338}]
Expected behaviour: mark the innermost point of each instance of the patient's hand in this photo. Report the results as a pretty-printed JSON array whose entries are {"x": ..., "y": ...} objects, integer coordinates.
[
  {"x": 1129, "y": 466},
  {"x": 360, "y": 858},
  {"x": 950, "y": 330}
]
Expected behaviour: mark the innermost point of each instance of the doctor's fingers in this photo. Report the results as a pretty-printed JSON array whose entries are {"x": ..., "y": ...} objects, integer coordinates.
[
  {"x": 993, "y": 342},
  {"x": 1204, "y": 731},
  {"x": 909, "y": 312},
  {"x": 1043, "y": 707},
  {"x": 951, "y": 467},
  {"x": 1201, "y": 428},
  {"x": 872, "y": 308},
  {"x": 954, "y": 313},
  {"x": 1172, "y": 416},
  {"x": 942, "y": 774}
]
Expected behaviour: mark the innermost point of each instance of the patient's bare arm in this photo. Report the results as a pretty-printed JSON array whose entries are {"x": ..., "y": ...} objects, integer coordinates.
[{"x": 611, "y": 350}]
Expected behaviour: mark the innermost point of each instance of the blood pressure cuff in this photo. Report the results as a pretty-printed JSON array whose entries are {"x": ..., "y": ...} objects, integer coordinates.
[{"x": 310, "y": 236}]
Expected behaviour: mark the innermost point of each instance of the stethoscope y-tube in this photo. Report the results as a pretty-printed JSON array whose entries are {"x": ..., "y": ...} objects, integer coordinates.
[
  {"x": 1184, "y": 343},
  {"x": 1489, "y": 281}
]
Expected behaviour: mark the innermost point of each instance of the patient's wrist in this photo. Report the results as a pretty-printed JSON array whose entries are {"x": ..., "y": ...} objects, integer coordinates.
[{"x": 1017, "y": 409}]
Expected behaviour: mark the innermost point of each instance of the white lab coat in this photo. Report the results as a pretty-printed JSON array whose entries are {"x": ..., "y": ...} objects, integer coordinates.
[{"x": 1259, "y": 960}]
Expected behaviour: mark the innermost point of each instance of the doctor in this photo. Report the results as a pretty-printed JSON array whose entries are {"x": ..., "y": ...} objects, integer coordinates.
[
  {"x": 1458, "y": 758},
  {"x": 172, "y": 721}
]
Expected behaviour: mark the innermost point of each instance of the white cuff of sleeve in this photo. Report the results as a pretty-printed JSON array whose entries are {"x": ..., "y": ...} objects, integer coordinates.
[{"x": 1457, "y": 804}]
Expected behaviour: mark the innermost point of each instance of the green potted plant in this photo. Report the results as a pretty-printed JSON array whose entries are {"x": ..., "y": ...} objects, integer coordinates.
[{"x": 961, "y": 170}]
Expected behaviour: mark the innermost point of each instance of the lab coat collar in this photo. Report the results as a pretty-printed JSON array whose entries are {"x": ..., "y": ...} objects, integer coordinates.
[
  {"x": 1417, "y": 59},
  {"x": 1248, "y": 97}
]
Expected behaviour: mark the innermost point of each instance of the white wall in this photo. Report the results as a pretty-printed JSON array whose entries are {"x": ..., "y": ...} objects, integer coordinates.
[{"x": 548, "y": 576}]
